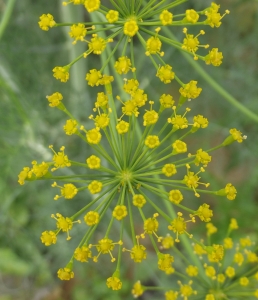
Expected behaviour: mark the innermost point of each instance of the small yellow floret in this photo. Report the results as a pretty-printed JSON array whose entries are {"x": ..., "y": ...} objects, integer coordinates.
[
  {"x": 130, "y": 86},
  {"x": 175, "y": 196},
  {"x": 202, "y": 157},
  {"x": 139, "y": 97},
  {"x": 92, "y": 5},
  {"x": 152, "y": 141},
  {"x": 230, "y": 272},
  {"x": 93, "y": 162},
  {"x": 137, "y": 290},
  {"x": 82, "y": 254},
  {"x": 70, "y": 127},
  {"x": 230, "y": 191},
  {"x": 61, "y": 73},
  {"x": 166, "y": 101},
  {"x": 211, "y": 229},
  {"x": 153, "y": 46},
  {"x": 190, "y": 90},
  {"x": 112, "y": 16},
  {"x": 228, "y": 243},
  {"x": 167, "y": 242},
  {"x": 191, "y": 16},
  {"x": 138, "y": 200},
  {"x": 123, "y": 65},
  {"x": 200, "y": 121},
  {"x": 95, "y": 187},
  {"x": 179, "y": 147},
  {"x": 192, "y": 271},
  {"x": 171, "y": 295},
  {"x": 169, "y": 170},
  {"x": 233, "y": 224},
  {"x": 48, "y": 238},
  {"x": 165, "y": 263},
  {"x": 23, "y": 175},
  {"x": 138, "y": 253},
  {"x": 120, "y": 212},
  {"x": 166, "y": 17},
  {"x": 114, "y": 283},
  {"x": 214, "y": 57},
  {"x": 91, "y": 218},
  {"x": 78, "y": 32},
  {"x": 65, "y": 274},
  {"x": 46, "y": 22},
  {"x": 55, "y": 99},
  {"x": 204, "y": 213},
  {"x": 130, "y": 28},
  {"x": 150, "y": 117},
  {"x": 102, "y": 121},
  {"x": 93, "y": 136},
  {"x": 93, "y": 77},
  {"x": 97, "y": 45},
  {"x": 210, "y": 271},
  {"x": 102, "y": 100},
  {"x": 122, "y": 127},
  {"x": 165, "y": 74}
]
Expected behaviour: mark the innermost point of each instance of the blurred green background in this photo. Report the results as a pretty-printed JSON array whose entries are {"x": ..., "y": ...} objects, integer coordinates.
[{"x": 28, "y": 126}]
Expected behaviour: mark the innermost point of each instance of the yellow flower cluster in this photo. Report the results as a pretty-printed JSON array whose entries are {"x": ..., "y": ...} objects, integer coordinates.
[
  {"x": 137, "y": 150},
  {"x": 226, "y": 271}
]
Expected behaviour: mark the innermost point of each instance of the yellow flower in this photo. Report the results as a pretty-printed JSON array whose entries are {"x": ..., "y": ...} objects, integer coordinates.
[
  {"x": 190, "y": 90},
  {"x": 55, "y": 99},
  {"x": 138, "y": 289},
  {"x": 139, "y": 200},
  {"x": 78, "y": 32},
  {"x": 65, "y": 274},
  {"x": 46, "y": 22},
  {"x": 93, "y": 136},
  {"x": 95, "y": 187},
  {"x": 179, "y": 147},
  {"x": 120, "y": 212},
  {"x": 70, "y": 127},
  {"x": 122, "y": 127},
  {"x": 48, "y": 238},
  {"x": 175, "y": 196},
  {"x": 114, "y": 283},
  {"x": 82, "y": 254},
  {"x": 152, "y": 141},
  {"x": 92, "y": 5},
  {"x": 166, "y": 17},
  {"x": 112, "y": 16},
  {"x": 91, "y": 218},
  {"x": 165, "y": 74},
  {"x": 130, "y": 28},
  {"x": 169, "y": 170},
  {"x": 93, "y": 162}
]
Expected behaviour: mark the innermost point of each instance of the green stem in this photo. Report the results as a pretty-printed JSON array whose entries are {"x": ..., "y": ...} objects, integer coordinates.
[{"x": 6, "y": 16}]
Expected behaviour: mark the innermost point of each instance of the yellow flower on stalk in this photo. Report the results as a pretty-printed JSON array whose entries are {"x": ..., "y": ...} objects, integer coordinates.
[
  {"x": 55, "y": 99},
  {"x": 166, "y": 17},
  {"x": 65, "y": 274},
  {"x": 92, "y": 5},
  {"x": 48, "y": 238},
  {"x": 120, "y": 212},
  {"x": 95, "y": 187},
  {"x": 46, "y": 21},
  {"x": 131, "y": 28},
  {"x": 114, "y": 283},
  {"x": 82, "y": 254},
  {"x": 91, "y": 218},
  {"x": 112, "y": 16},
  {"x": 138, "y": 289},
  {"x": 61, "y": 73}
]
